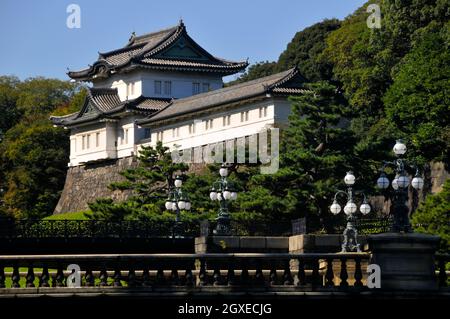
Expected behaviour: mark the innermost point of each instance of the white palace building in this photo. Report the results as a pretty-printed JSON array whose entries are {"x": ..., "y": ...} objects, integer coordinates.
[{"x": 163, "y": 86}]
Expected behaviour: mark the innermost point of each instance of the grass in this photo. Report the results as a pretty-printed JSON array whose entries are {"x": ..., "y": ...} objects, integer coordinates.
[{"x": 68, "y": 216}]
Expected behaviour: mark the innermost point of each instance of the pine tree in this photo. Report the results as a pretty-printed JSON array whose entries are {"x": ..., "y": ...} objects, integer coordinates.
[
  {"x": 316, "y": 151},
  {"x": 149, "y": 183}
]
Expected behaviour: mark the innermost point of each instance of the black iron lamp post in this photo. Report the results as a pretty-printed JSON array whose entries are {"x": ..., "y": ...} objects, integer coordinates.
[
  {"x": 350, "y": 233},
  {"x": 400, "y": 186},
  {"x": 223, "y": 191},
  {"x": 177, "y": 200}
]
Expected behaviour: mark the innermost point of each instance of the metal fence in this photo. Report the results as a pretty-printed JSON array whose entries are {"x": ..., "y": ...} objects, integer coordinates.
[
  {"x": 95, "y": 229},
  {"x": 30, "y": 228}
]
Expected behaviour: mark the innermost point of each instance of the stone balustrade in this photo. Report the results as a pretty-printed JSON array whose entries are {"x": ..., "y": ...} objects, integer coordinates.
[
  {"x": 247, "y": 270},
  {"x": 27, "y": 275}
]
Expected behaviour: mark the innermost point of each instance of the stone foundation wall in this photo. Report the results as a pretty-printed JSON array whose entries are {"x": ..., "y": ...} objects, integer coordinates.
[{"x": 86, "y": 183}]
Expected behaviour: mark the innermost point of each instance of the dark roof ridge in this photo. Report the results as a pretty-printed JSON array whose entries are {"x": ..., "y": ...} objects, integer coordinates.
[
  {"x": 150, "y": 34},
  {"x": 119, "y": 50}
]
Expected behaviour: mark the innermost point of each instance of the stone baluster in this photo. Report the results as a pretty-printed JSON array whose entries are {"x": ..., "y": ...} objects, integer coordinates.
[
  {"x": 174, "y": 278},
  {"x": 245, "y": 277},
  {"x": 15, "y": 278},
  {"x": 231, "y": 276},
  {"x": 160, "y": 279},
  {"x": 203, "y": 275},
  {"x": 329, "y": 276},
  {"x": 45, "y": 277},
  {"x": 117, "y": 277},
  {"x": 189, "y": 278},
  {"x": 131, "y": 277},
  {"x": 2, "y": 277},
  {"x": 344, "y": 275},
  {"x": 217, "y": 277},
  {"x": 58, "y": 280},
  {"x": 146, "y": 278},
  {"x": 301, "y": 273},
  {"x": 287, "y": 276},
  {"x": 273, "y": 276},
  {"x": 315, "y": 280},
  {"x": 30, "y": 277},
  {"x": 358, "y": 273},
  {"x": 259, "y": 276},
  {"x": 89, "y": 278},
  {"x": 103, "y": 277}
]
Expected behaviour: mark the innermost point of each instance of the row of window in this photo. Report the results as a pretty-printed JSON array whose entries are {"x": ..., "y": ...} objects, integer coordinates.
[
  {"x": 86, "y": 141},
  {"x": 167, "y": 87},
  {"x": 196, "y": 88},
  {"x": 209, "y": 124}
]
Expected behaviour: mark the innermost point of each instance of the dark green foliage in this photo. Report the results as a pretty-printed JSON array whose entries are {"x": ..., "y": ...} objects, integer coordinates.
[
  {"x": 305, "y": 49},
  {"x": 8, "y": 103},
  {"x": 38, "y": 96},
  {"x": 433, "y": 216},
  {"x": 418, "y": 102},
  {"x": 33, "y": 154}
]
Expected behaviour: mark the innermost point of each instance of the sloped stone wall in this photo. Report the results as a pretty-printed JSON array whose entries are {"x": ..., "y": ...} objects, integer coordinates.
[{"x": 86, "y": 183}]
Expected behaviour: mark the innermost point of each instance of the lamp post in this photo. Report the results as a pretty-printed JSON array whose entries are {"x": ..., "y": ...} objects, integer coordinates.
[
  {"x": 223, "y": 191},
  {"x": 177, "y": 200},
  {"x": 350, "y": 233},
  {"x": 400, "y": 185}
]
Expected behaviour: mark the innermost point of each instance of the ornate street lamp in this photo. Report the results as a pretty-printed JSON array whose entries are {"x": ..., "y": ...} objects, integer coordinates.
[
  {"x": 223, "y": 191},
  {"x": 400, "y": 185},
  {"x": 350, "y": 233},
  {"x": 177, "y": 200}
]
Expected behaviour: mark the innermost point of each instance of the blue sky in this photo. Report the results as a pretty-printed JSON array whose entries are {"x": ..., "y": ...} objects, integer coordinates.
[{"x": 35, "y": 40}]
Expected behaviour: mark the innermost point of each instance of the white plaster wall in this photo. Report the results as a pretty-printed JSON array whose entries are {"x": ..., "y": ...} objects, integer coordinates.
[
  {"x": 144, "y": 83},
  {"x": 219, "y": 132},
  {"x": 120, "y": 82},
  {"x": 98, "y": 149},
  {"x": 181, "y": 83},
  {"x": 127, "y": 146}
]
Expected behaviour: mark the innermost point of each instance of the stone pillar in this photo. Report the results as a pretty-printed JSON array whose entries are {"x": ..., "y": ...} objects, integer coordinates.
[{"x": 406, "y": 260}]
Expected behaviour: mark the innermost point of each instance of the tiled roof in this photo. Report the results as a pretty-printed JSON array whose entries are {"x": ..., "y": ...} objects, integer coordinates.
[
  {"x": 284, "y": 82},
  {"x": 145, "y": 51},
  {"x": 105, "y": 103},
  {"x": 104, "y": 99},
  {"x": 150, "y": 104}
]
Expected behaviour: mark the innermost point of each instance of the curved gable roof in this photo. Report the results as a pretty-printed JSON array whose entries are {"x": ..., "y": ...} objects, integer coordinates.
[{"x": 152, "y": 50}]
